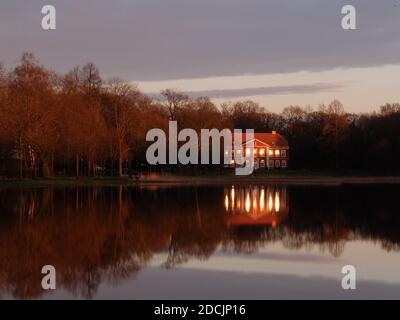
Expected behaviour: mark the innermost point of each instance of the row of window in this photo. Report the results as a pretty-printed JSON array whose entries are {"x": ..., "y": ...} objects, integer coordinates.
[
  {"x": 276, "y": 153},
  {"x": 271, "y": 152},
  {"x": 274, "y": 164}
]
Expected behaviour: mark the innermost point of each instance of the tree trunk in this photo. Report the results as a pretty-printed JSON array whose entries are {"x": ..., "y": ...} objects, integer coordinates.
[
  {"x": 45, "y": 169},
  {"x": 112, "y": 167},
  {"x": 94, "y": 168},
  {"x": 21, "y": 161},
  {"x": 120, "y": 165},
  {"x": 52, "y": 165},
  {"x": 120, "y": 158},
  {"x": 21, "y": 175},
  {"x": 77, "y": 165}
]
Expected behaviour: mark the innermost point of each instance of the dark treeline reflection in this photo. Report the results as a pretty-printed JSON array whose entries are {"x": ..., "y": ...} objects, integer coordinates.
[{"x": 95, "y": 235}]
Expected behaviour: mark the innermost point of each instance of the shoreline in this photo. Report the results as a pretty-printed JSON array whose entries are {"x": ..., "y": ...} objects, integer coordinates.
[{"x": 301, "y": 180}]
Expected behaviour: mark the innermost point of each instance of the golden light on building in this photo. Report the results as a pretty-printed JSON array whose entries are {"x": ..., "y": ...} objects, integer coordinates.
[
  {"x": 262, "y": 152},
  {"x": 247, "y": 204},
  {"x": 226, "y": 203},
  {"x": 277, "y": 202},
  {"x": 271, "y": 152},
  {"x": 270, "y": 203},
  {"x": 232, "y": 196},
  {"x": 262, "y": 201},
  {"x": 254, "y": 202},
  {"x": 277, "y": 152}
]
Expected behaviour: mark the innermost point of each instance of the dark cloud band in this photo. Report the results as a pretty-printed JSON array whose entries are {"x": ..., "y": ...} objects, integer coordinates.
[
  {"x": 247, "y": 92},
  {"x": 174, "y": 39}
]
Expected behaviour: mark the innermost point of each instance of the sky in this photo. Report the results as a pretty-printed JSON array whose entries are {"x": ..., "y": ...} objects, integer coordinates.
[{"x": 275, "y": 52}]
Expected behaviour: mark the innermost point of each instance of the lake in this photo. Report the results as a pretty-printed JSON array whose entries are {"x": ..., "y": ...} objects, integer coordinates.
[{"x": 217, "y": 242}]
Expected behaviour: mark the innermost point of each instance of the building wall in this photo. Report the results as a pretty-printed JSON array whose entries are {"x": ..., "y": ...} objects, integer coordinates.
[{"x": 272, "y": 157}]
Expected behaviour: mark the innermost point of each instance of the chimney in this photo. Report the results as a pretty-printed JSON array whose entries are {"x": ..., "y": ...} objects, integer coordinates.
[{"x": 273, "y": 132}]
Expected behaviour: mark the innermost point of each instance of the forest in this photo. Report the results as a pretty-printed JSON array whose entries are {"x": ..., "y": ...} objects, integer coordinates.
[{"x": 78, "y": 124}]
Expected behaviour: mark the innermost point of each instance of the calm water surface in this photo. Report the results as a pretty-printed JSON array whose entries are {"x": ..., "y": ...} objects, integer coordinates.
[{"x": 236, "y": 242}]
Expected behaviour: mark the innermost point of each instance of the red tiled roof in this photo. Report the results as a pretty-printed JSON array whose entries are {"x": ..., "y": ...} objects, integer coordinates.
[{"x": 272, "y": 139}]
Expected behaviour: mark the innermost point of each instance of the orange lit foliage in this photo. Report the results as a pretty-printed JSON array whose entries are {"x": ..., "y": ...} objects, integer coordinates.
[{"x": 77, "y": 124}]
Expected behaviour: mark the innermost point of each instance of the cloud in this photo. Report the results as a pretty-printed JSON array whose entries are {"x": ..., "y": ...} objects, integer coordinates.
[
  {"x": 173, "y": 39},
  {"x": 281, "y": 256},
  {"x": 247, "y": 92}
]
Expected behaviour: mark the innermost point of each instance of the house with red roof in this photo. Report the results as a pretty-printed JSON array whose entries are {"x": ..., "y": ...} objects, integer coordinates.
[{"x": 271, "y": 150}]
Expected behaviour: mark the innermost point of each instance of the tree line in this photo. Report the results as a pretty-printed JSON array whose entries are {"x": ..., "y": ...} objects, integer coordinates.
[{"x": 78, "y": 124}]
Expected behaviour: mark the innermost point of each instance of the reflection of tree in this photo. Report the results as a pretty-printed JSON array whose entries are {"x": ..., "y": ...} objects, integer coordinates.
[
  {"x": 77, "y": 243},
  {"x": 329, "y": 217},
  {"x": 174, "y": 256},
  {"x": 197, "y": 234},
  {"x": 94, "y": 235},
  {"x": 248, "y": 239}
]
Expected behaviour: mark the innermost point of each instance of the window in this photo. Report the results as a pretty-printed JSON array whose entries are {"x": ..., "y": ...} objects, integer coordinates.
[
  {"x": 248, "y": 151},
  {"x": 277, "y": 163},
  {"x": 262, "y": 163},
  {"x": 283, "y": 153},
  {"x": 262, "y": 152},
  {"x": 255, "y": 151},
  {"x": 271, "y": 163},
  {"x": 271, "y": 152},
  {"x": 277, "y": 153},
  {"x": 284, "y": 163}
]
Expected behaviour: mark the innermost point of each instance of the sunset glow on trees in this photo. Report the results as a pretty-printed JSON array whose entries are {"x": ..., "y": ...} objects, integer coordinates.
[{"x": 78, "y": 124}]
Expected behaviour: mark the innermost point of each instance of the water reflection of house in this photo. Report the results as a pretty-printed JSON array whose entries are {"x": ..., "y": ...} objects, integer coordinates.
[
  {"x": 270, "y": 150},
  {"x": 256, "y": 205}
]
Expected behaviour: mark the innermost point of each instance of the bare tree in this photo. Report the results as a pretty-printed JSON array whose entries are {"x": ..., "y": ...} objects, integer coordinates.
[
  {"x": 120, "y": 110},
  {"x": 174, "y": 101}
]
